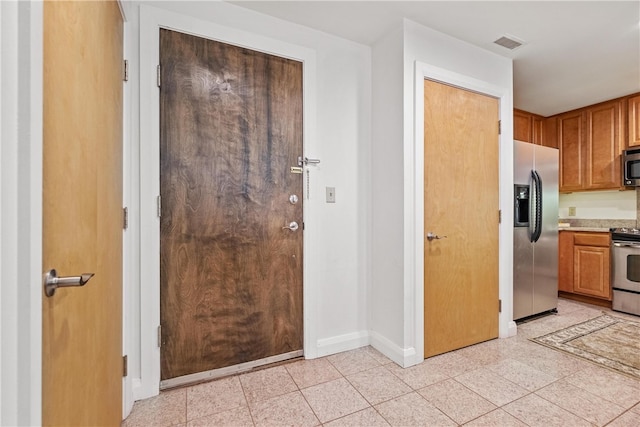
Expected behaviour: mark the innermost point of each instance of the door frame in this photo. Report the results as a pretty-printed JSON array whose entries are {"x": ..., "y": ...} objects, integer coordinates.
[
  {"x": 151, "y": 20},
  {"x": 414, "y": 284},
  {"x": 21, "y": 213}
]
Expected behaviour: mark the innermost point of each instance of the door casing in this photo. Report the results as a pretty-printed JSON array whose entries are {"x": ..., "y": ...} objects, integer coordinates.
[
  {"x": 21, "y": 65},
  {"x": 151, "y": 20},
  {"x": 415, "y": 232}
]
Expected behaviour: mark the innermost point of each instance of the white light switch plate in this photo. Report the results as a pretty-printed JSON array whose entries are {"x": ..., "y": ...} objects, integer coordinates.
[{"x": 331, "y": 194}]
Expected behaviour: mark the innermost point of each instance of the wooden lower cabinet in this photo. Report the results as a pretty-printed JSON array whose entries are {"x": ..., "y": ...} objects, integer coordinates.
[
  {"x": 565, "y": 261},
  {"x": 584, "y": 267},
  {"x": 591, "y": 274}
]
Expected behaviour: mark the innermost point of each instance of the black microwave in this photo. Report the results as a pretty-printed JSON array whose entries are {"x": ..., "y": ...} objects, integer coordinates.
[{"x": 631, "y": 167}]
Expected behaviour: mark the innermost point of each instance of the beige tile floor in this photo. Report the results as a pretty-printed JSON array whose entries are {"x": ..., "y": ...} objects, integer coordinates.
[{"x": 504, "y": 382}]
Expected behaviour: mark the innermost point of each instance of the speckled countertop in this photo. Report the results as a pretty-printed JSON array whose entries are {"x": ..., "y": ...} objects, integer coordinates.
[
  {"x": 592, "y": 229},
  {"x": 594, "y": 225}
]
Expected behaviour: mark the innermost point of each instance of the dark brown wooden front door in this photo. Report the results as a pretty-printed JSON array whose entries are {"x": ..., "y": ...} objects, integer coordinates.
[{"x": 230, "y": 273}]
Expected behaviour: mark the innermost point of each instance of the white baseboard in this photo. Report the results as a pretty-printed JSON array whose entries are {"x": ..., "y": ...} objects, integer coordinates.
[
  {"x": 404, "y": 357},
  {"x": 342, "y": 343},
  {"x": 512, "y": 330},
  {"x": 137, "y": 390}
]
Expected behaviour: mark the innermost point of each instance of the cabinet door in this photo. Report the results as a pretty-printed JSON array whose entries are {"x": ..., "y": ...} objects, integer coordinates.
[
  {"x": 634, "y": 121},
  {"x": 591, "y": 271},
  {"x": 522, "y": 126},
  {"x": 538, "y": 130},
  {"x": 604, "y": 141},
  {"x": 565, "y": 261},
  {"x": 572, "y": 150},
  {"x": 550, "y": 131}
]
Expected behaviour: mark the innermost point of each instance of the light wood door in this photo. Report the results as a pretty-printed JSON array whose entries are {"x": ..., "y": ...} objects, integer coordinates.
[
  {"x": 461, "y": 203},
  {"x": 82, "y": 212},
  {"x": 231, "y": 274}
]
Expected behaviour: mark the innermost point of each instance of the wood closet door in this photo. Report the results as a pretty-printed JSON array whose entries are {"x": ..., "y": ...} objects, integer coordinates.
[
  {"x": 231, "y": 274},
  {"x": 82, "y": 212},
  {"x": 461, "y": 202}
]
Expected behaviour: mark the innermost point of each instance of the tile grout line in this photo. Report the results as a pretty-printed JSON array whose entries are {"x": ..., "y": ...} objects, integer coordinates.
[
  {"x": 303, "y": 396},
  {"x": 244, "y": 393}
]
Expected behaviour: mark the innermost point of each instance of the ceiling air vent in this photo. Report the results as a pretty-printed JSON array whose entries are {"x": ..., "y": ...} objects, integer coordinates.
[{"x": 509, "y": 42}]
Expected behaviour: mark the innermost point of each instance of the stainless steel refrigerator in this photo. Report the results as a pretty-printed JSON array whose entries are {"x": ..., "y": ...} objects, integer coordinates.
[{"x": 535, "y": 233}]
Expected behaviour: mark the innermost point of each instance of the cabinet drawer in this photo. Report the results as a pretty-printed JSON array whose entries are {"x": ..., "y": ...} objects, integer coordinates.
[{"x": 591, "y": 239}]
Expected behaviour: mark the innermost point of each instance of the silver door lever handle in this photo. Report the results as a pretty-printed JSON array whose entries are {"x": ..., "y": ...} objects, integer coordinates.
[
  {"x": 293, "y": 226},
  {"x": 53, "y": 282},
  {"x": 307, "y": 161},
  {"x": 431, "y": 236}
]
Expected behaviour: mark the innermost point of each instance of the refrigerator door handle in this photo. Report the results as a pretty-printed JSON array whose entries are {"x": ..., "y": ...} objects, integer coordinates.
[{"x": 535, "y": 218}]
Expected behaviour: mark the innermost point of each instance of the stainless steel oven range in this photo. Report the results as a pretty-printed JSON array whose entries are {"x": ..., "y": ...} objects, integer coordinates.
[{"x": 626, "y": 270}]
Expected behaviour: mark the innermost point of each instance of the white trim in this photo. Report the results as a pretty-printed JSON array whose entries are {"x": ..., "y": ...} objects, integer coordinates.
[
  {"x": 128, "y": 266},
  {"x": 399, "y": 355},
  {"x": 340, "y": 343},
  {"x": 21, "y": 213},
  {"x": 416, "y": 226},
  {"x": 151, "y": 20}
]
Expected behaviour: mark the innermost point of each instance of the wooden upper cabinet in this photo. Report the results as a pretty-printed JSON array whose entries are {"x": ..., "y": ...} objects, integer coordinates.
[
  {"x": 605, "y": 142},
  {"x": 529, "y": 127},
  {"x": 522, "y": 126},
  {"x": 633, "y": 120},
  {"x": 570, "y": 128},
  {"x": 550, "y": 129},
  {"x": 591, "y": 141},
  {"x": 537, "y": 127}
]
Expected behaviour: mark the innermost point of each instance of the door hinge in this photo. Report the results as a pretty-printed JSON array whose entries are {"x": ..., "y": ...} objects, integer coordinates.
[
  {"x": 499, "y": 216},
  {"x": 125, "y": 365},
  {"x": 126, "y": 71},
  {"x": 159, "y": 206},
  {"x": 158, "y": 75},
  {"x": 159, "y": 335},
  {"x": 499, "y": 306},
  {"x": 125, "y": 218},
  {"x": 499, "y": 127}
]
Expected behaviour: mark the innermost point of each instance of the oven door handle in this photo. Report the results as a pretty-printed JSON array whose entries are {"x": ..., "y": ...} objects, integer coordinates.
[{"x": 626, "y": 245}]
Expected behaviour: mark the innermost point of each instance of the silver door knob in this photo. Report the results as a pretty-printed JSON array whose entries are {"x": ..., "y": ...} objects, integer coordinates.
[
  {"x": 431, "y": 236},
  {"x": 52, "y": 282},
  {"x": 293, "y": 226}
]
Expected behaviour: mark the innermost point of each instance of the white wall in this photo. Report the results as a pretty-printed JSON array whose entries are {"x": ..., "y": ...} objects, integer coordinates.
[
  {"x": 386, "y": 295},
  {"x": 436, "y": 49},
  {"x": 599, "y": 205},
  {"x": 397, "y": 332},
  {"x": 20, "y": 213},
  {"x": 336, "y": 265}
]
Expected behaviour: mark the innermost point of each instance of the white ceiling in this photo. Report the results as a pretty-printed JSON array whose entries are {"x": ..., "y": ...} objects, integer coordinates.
[{"x": 576, "y": 53}]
